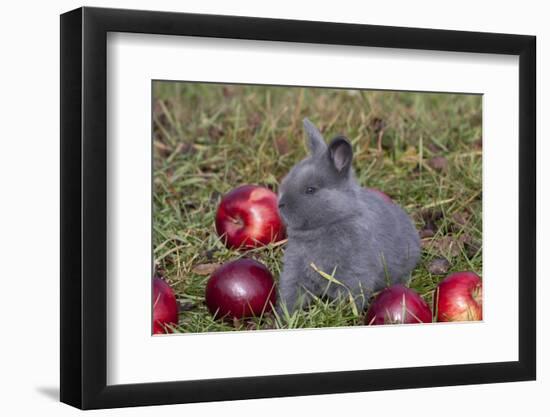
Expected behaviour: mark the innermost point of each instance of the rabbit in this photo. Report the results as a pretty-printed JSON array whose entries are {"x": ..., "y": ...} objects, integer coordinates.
[{"x": 336, "y": 227}]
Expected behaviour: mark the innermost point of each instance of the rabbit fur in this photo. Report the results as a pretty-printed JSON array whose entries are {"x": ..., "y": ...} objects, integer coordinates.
[{"x": 344, "y": 230}]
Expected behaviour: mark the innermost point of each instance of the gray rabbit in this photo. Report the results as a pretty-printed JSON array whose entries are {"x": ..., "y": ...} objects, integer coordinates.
[{"x": 338, "y": 228}]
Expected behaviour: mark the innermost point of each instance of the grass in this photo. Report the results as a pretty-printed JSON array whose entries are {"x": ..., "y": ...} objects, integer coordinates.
[{"x": 423, "y": 150}]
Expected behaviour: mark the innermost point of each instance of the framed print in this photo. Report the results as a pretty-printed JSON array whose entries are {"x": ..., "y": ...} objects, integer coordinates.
[{"x": 282, "y": 208}]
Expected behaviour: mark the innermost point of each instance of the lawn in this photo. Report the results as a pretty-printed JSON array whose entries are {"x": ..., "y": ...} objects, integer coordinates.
[{"x": 423, "y": 150}]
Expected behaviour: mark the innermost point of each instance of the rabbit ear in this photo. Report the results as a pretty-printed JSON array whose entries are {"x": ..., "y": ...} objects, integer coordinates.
[
  {"x": 317, "y": 144},
  {"x": 340, "y": 153}
]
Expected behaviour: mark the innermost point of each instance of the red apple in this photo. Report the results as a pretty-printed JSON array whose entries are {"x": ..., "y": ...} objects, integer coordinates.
[
  {"x": 382, "y": 194},
  {"x": 459, "y": 298},
  {"x": 165, "y": 307},
  {"x": 248, "y": 217},
  {"x": 241, "y": 288},
  {"x": 398, "y": 305}
]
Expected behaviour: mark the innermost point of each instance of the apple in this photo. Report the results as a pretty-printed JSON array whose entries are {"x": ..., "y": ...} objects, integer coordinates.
[
  {"x": 382, "y": 194},
  {"x": 165, "y": 307},
  {"x": 398, "y": 305},
  {"x": 248, "y": 217},
  {"x": 240, "y": 288},
  {"x": 459, "y": 297}
]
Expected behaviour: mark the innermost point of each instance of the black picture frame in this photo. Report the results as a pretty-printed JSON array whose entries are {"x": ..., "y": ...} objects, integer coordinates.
[{"x": 84, "y": 207}]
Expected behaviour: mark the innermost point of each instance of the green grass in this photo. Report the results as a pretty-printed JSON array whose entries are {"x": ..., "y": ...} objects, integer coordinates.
[{"x": 208, "y": 139}]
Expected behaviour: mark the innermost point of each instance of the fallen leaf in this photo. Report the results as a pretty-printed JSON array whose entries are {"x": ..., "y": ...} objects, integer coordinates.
[
  {"x": 205, "y": 269},
  {"x": 424, "y": 233},
  {"x": 461, "y": 217},
  {"x": 448, "y": 246},
  {"x": 472, "y": 248},
  {"x": 438, "y": 163},
  {"x": 439, "y": 266},
  {"x": 377, "y": 124},
  {"x": 282, "y": 146},
  {"x": 429, "y": 216}
]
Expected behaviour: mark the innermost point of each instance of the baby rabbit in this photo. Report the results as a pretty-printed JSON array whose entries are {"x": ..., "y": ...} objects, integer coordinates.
[{"x": 344, "y": 230}]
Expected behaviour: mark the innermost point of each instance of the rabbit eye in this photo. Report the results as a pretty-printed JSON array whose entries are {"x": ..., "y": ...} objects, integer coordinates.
[{"x": 310, "y": 190}]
